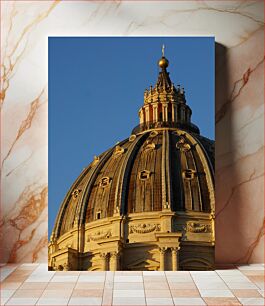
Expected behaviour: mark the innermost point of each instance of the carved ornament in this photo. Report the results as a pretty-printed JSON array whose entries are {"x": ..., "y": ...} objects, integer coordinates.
[
  {"x": 149, "y": 146},
  {"x": 182, "y": 145},
  {"x": 144, "y": 228},
  {"x": 153, "y": 134},
  {"x": 99, "y": 235},
  {"x": 132, "y": 138},
  {"x": 144, "y": 175},
  {"x": 188, "y": 174},
  {"x": 95, "y": 161},
  {"x": 118, "y": 150},
  {"x": 196, "y": 227},
  {"x": 75, "y": 193},
  {"x": 105, "y": 181}
]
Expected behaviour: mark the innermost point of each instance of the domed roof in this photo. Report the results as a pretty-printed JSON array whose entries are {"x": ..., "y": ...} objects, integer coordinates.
[
  {"x": 143, "y": 173},
  {"x": 164, "y": 164}
]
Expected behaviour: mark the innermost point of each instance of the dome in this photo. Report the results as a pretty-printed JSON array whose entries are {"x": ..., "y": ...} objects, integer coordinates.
[
  {"x": 143, "y": 173},
  {"x": 147, "y": 203}
]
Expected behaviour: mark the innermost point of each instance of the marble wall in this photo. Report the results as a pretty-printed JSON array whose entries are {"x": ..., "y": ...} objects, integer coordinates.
[{"x": 238, "y": 28}]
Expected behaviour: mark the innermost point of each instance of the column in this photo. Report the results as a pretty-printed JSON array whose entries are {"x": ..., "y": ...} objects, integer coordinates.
[
  {"x": 173, "y": 113},
  {"x": 115, "y": 261},
  {"x": 162, "y": 258},
  {"x": 104, "y": 257},
  {"x": 147, "y": 114},
  {"x": 155, "y": 108},
  {"x": 174, "y": 253},
  {"x": 141, "y": 116}
]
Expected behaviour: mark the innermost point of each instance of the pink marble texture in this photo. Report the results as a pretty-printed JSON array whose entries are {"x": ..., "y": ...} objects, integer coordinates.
[{"x": 238, "y": 28}]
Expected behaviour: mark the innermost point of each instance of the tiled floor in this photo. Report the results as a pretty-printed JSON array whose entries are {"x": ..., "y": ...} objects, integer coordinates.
[{"x": 32, "y": 284}]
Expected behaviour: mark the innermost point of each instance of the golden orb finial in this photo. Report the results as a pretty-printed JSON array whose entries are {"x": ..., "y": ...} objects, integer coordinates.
[{"x": 163, "y": 62}]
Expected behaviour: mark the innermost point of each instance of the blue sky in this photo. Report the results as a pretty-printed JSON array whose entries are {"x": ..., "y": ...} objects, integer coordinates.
[{"x": 96, "y": 87}]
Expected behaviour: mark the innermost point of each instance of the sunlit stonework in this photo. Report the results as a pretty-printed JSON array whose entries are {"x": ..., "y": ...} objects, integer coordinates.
[{"x": 147, "y": 203}]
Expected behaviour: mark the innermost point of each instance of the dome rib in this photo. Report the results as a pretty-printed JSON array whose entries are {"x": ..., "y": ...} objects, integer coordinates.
[
  {"x": 59, "y": 218},
  {"x": 124, "y": 173},
  {"x": 175, "y": 171},
  {"x": 91, "y": 182},
  {"x": 209, "y": 174},
  {"x": 166, "y": 184}
]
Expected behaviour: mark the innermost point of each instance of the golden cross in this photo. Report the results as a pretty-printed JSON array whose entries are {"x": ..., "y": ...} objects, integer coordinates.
[{"x": 163, "y": 50}]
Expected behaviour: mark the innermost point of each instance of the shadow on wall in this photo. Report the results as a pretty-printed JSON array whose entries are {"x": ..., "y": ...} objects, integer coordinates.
[
  {"x": 230, "y": 219},
  {"x": 222, "y": 140}
]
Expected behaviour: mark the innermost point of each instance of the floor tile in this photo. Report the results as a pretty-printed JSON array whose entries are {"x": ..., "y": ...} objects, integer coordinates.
[
  {"x": 216, "y": 293},
  {"x": 53, "y": 301},
  {"x": 260, "y": 285},
  {"x": 182, "y": 286},
  {"x": 156, "y": 285},
  {"x": 56, "y": 293},
  {"x": 30, "y": 284},
  {"x": 256, "y": 278},
  {"x": 60, "y": 286},
  {"x": 3, "y": 300},
  {"x": 261, "y": 292},
  {"x": 92, "y": 279},
  {"x": 109, "y": 275},
  {"x": 126, "y": 273},
  {"x": 132, "y": 286},
  {"x": 176, "y": 272},
  {"x": 241, "y": 285},
  {"x": 182, "y": 293},
  {"x": 107, "y": 297},
  {"x": 6, "y": 293},
  {"x": 10, "y": 285},
  {"x": 159, "y": 301},
  {"x": 39, "y": 278},
  {"x": 95, "y": 273},
  {"x": 154, "y": 278},
  {"x": 211, "y": 285},
  {"x": 154, "y": 273},
  {"x": 128, "y": 279},
  {"x": 131, "y": 301},
  {"x": 70, "y": 278},
  {"x": 188, "y": 301},
  {"x": 246, "y": 293},
  {"x": 235, "y": 278},
  {"x": 28, "y": 293},
  {"x": 214, "y": 277},
  {"x": 203, "y": 273},
  {"x": 67, "y": 273},
  {"x": 253, "y": 272},
  {"x": 128, "y": 293},
  {"x": 89, "y": 285},
  {"x": 216, "y": 301},
  {"x": 85, "y": 301},
  {"x": 149, "y": 293},
  {"x": 20, "y": 278},
  {"x": 39, "y": 285},
  {"x": 180, "y": 279},
  {"x": 87, "y": 292},
  {"x": 6, "y": 271},
  {"x": 251, "y": 301},
  {"x": 22, "y": 301},
  {"x": 232, "y": 272},
  {"x": 109, "y": 284}
]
